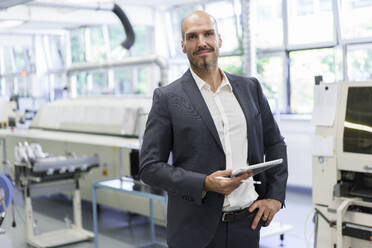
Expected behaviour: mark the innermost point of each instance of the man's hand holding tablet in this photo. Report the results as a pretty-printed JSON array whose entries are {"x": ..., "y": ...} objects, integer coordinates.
[{"x": 256, "y": 169}]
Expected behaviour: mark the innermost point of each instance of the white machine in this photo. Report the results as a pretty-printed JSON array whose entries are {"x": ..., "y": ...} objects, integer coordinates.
[
  {"x": 109, "y": 126},
  {"x": 6, "y": 194},
  {"x": 36, "y": 172},
  {"x": 342, "y": 165}
]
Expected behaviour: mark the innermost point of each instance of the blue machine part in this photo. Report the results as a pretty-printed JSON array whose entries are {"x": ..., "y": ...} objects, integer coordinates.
[{"x": 7, "y": 186}]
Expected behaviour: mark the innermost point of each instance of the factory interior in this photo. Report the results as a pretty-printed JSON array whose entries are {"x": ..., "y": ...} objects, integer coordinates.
[{"x": 77, "y": 80}]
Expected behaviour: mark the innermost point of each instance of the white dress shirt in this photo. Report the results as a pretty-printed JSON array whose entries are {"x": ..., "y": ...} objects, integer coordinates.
[{"x": 231, "y": 126}]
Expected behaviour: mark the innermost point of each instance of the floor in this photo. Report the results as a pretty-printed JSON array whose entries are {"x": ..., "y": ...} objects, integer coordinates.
[{"x": 122, "y": 229}]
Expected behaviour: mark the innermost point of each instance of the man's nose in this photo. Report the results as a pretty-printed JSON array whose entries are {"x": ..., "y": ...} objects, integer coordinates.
[{"x": 201, "y": 41}]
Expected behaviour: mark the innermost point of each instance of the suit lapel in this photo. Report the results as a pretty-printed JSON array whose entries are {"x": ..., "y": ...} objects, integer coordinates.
[{"x": 190, "y": 87}]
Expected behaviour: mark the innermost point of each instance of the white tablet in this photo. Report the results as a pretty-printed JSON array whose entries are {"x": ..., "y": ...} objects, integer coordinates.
[{"x": 257, "y": 168}]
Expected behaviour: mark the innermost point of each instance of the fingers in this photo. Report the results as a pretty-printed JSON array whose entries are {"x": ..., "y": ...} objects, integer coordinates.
[
  {"x": 257, "y": 218},
  {"x": 253, "y": 206},
  {"x": 225, "y": 187},
  {"x": 265, "y": 214},
  {"x": 269, "y": 218},
  {"x": 222, "y": 173},
  {"x": 267, "y": 210}
]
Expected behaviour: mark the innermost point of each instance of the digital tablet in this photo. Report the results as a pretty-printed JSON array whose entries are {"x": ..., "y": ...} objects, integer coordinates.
[{"x": 257, "y": 168}]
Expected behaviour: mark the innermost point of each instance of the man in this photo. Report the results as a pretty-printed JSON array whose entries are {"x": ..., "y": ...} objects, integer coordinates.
[{"x": 212, "y": 122}]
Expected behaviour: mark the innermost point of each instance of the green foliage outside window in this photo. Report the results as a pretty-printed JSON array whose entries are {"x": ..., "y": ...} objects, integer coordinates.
[{"x": 77, "y": 41}]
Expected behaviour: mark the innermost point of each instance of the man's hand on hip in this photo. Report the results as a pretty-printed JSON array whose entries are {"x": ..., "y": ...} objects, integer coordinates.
[
  {"x": 267, "y": 208},
  {"x": 224, "y": 186}
]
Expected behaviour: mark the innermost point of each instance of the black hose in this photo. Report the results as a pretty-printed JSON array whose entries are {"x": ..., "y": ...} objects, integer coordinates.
[{"x": 129, "y": 41}]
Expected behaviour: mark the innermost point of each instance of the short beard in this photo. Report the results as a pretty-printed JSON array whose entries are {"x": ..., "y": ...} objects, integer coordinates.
[{"x": 203, "y": 65}]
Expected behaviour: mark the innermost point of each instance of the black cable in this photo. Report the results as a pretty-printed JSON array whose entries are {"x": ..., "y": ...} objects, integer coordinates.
[{"x": 130, "y": 36}]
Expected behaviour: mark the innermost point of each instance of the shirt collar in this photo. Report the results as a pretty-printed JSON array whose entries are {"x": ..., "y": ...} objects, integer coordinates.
[{"x": 201, "y": 83}]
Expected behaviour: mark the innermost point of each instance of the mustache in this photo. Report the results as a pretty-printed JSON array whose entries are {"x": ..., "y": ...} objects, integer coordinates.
[{"x": 203, "y": 49}]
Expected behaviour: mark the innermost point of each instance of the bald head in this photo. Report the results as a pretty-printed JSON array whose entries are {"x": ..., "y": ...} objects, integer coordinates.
[{"x": 196, "y": 17}]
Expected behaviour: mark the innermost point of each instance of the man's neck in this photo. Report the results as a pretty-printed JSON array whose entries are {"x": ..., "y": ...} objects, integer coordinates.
[{"x": 213, "y": 77}]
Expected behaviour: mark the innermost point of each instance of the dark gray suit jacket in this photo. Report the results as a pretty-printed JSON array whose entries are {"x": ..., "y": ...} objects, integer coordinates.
[{"x": 180, "y": 122}]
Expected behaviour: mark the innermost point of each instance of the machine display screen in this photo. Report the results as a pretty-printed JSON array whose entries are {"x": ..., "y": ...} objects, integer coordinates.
[{"x": 358, "y": 121}]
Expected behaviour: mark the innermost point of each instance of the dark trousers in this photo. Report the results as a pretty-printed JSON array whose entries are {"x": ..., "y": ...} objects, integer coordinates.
[{"x": 237, "y": 234}]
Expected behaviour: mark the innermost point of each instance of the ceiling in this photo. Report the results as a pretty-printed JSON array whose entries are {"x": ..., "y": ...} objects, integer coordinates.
[{"x": 50, "y": 15}]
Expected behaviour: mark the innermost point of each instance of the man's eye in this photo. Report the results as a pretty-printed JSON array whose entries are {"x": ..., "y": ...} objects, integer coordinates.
[{"x": 192, "y": 37}]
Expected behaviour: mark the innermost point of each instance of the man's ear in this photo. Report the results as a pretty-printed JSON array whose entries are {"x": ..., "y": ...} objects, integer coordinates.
[
  {"x": 183, "y": 46},
  {"x": 219, "y": 41}
]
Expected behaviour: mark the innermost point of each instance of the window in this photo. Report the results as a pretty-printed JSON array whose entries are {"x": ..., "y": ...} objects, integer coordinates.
[
  {"x": 305, "y": 65},
  {"x": 231, "y": 64},
  {"x": 81, "y": 84},
  {"x": 270, "y": 69},
  {"x": 116, "y": 35},
  {"x": 8, "y": 60},
  {"x": 97, "y": 51},
  {"x": 144, "y": 41},
  {"x": 224, "y": 13},
  {"x": 269, "y": 24},
  {"x": 56, "y": 55},
  {"x": 77, "y": 40},
  {"x": 310, "y": 22},
  {"x": 123, "y": 81},
  {"x": 99, "y": 84},
  {"x": 359, "y": 62},
  {"x": 19, "y": 58},
  {"x": 357, "y": 18}
]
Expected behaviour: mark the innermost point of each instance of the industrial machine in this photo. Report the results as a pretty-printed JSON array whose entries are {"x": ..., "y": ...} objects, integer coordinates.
[
  {"x": 342, "y": 165},
  {"x": 36, "y": 172},
  {"x": 6, "y": 194},
  {"x": 110, "y": 126}
]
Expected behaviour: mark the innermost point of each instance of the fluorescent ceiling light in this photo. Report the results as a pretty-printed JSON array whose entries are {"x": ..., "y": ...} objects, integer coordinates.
[{"x": 10, "y": 23}]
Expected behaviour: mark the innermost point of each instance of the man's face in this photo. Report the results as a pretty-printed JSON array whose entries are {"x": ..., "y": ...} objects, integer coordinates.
[{"x": 201, "y": 42}]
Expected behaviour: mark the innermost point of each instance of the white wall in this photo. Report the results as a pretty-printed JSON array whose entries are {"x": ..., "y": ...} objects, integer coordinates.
[{"x": 298, "y": 135}]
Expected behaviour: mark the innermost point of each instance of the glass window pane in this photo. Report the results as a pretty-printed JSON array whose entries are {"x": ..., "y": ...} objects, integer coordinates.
[
  {"x": 271, "y": 76},
  {"x": 144, "y": 41},
  {"x": 99, "y": 84},
  {"x": 23, "y": 83},
  {"x": 305, "y": 65},
  {"x": 116, "y": 35},
  {"x": 229, "y": 36},
  {"x": 359, "y": 60},
  {"x": 225, "y": 17},
  {"x": 269, "y": 22},
  {"x": 310, "y": 21},
  {"x": 143, "y": 81},
  {"x": 176, "y": 71},
  {"x": 123, "y": 81},
  {"x": 56, "y": 55},
  {"x": 77, "y": 41},
  {"x": 231, "y": 64},
  {"x": 356, "y": 18},
  {"x": 19, "y": 58},
  {"x": 81, "y": 84},
  {"x": 8, "y": 60},
  {"x": 98, "y": 49},
  {"x": 221, "y": 9}
]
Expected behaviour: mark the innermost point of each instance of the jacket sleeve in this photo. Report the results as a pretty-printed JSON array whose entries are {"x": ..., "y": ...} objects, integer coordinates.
[
  {"x": 274, "y": 148},
  {"x": 156, "y": 147}
]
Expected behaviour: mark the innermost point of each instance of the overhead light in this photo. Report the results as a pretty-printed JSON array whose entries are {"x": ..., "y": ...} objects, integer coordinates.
[{"x": 10, "y": 23}]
